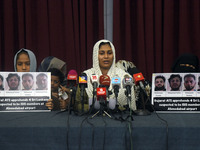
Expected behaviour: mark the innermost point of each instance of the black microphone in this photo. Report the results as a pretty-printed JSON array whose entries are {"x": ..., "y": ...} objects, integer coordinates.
[
  {"x": 127, "y": 84},
  {"x": 72, "y": 83},
  {"x": 116, "y": 84},
  {"x": 138, "y": 78},
  {"x": 82, "y": 85},
  {"x": 72, "y": 78},
  {"x": 94, "y": 81}
]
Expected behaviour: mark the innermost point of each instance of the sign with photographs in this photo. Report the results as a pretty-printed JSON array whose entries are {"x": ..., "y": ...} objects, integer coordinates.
[
  {"x": 176, "y": 92},
  {"x": 24, "y": 91}
]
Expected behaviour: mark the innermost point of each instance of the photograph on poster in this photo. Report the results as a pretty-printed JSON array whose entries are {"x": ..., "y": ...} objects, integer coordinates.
[
  {"x": 24, "y": 91},
  {"x": 176, "y": 92}
]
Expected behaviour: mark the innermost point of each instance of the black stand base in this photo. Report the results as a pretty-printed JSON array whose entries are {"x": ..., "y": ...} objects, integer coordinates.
[
  {"x": 104, "y": 113},
  {"x": 142, "y": 112}
]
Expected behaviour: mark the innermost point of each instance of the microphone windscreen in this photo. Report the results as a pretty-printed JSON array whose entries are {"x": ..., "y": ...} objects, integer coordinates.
[
  {"x": 101, "y": 93},
  {"x": 72, "y": 75},
  {"x": 94, "y": 78},
  {"x": 138, "y": 77},
  {"x": 104, "y": 80},
  {"x": 116, "y": 81},
  {"x": 127, "y": 81},
  {"x": 83, "y": 78}
]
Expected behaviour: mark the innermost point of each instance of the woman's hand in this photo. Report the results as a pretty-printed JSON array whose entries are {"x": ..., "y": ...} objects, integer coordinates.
[
  {"x": 64, "y": 89},
  {"x": 54, "y": 94},
  {"x": 64, "y": 103},
  {"x": 49, "y": 104}
]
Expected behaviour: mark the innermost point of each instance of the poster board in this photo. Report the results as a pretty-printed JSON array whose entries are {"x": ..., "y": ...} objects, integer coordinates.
[
  {"x": 24, "y": 91},
  {"x": 174, "y": 97}
]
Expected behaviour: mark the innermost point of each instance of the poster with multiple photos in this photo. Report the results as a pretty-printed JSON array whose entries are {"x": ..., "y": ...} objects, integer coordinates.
[
  {"x": 24, "y": 91},
  {"x": 176, "y": 92}
]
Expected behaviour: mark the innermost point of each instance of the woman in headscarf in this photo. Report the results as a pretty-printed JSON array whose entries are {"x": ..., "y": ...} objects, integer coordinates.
[
  {"x": 104, "y": 64},
  {"x": 52, "y": 62},
  {"x": 186, "y": 62},
  {"x": 25, "y": 61}
]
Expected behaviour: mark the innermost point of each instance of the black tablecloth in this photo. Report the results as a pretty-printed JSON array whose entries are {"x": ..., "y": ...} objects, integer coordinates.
[{"x": 61, "y": 131}]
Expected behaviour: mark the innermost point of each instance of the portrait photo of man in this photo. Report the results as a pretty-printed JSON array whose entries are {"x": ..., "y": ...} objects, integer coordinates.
[
  {"x": 13, "y": 81},
  {"x": 27, "y": 81},
  {"x": 189, "y": 82},
  {"x": 160, "y": 83},
  {"x": 198, "y": 83},
  {"x": 42, "y": 81},
  {"x": 1, "y": 83},
  {"x": 175, "y": 81}
]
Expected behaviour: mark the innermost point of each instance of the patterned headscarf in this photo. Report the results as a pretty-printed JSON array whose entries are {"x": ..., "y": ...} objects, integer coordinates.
[{"x": 113, "y": 71}]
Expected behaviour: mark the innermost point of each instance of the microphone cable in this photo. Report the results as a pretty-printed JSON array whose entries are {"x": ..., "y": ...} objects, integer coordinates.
[
  {"x": 104, "y": 131},
  {"x": 167, "y": 126},
  {"x": 80, "y": 133},
  {"x": 163, "y": 120},
  {"x": 130, "y": 130},
  {"x": 128, "y": 120},
  {"x": 68, "y": 125}
]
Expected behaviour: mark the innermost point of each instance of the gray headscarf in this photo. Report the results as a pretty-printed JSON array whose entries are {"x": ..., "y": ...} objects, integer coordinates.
[
  {"x": 31, "y": 55},
  {"x": 52, "y": 62}
]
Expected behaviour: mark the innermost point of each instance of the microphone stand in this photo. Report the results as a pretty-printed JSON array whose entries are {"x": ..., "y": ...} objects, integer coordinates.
[
  {"x": 116, "y": 91},
  {"x": 143, "y": 111},
  {"x": 82, "y": 98},
  {"x": 93, "y": 99},
  {"x": 128, "y": 96},
  {"x": 72, "y": 100},
  {"x": 102, "y": 108}
]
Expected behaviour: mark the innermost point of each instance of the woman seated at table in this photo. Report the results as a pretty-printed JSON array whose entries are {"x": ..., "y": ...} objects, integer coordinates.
[
  {"x": 25, "y": 61},
  {"x": 104, "y": 64}
]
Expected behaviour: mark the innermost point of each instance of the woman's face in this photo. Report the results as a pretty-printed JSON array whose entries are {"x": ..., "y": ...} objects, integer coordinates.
[
  {"x": 105, "y": 57},
  {"x": 23, "y": 63}
]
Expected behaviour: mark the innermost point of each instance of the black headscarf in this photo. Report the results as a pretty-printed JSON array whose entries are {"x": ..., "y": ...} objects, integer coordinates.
[{"x": 186, "y": 63}]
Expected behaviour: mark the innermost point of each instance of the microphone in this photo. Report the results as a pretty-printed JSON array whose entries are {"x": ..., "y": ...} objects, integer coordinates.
[
  {"x": 116, "y": 84},
  {"x": 104, "y": 81},
  {"x": 101, "y": 94},
  {"x": 127, "y": 83},
  {"x": 139, "y": 78},
  {"x": 72, "y": 83},
  {"x": 94, "y": 81},
  {"x": 83, "y": 80},
  {"x": 82, "y": 85},
  {"x": 72, "y": 78}
]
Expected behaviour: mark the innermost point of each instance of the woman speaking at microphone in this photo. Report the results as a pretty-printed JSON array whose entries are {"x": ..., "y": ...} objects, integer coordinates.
[{"x": 104, "y": 64}]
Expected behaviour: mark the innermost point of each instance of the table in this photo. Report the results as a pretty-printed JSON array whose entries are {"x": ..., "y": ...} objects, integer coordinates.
[{"x": 62, "y": 131}]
